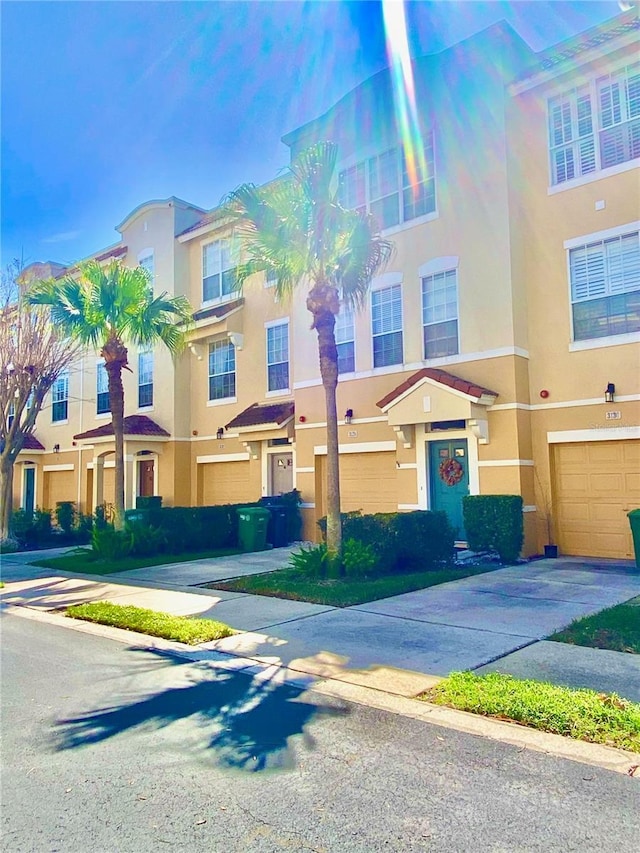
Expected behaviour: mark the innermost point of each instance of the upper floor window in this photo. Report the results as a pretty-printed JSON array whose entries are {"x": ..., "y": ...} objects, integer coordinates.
[
  {"x": 386, "y": 325},
  {"x": 12, "y": 414},
  {"x": 218, "y": 271},
  {"x": 605, "y": 287},
  {"x": 345, "y": 335},
  {"x": 60, "y": 398},
  {"x": 595, "y": 126},
  {"x": 102, "y": 389},
  {"x": 440, "y": 314},
  {"x": 382, "y": 186},
  {"x": 145, "y": 379},
  {"x": 146, "y": 261},
  {"x": 222, "y": 370},
  {"x": 278, "y": 357},
  {"x": 270, "y": 278}
]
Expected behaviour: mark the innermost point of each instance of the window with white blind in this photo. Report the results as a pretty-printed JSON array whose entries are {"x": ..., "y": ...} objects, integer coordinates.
[
  {"x": 146, "y": 261},
  {"x": 218, "y": 271},
  {"x": 605, "y": 287},
  {"x": 278, "y": 357},
  {"x": 382, "y": 186},
  {"x": 222, "y": 370},
  {"x": 145, "y": 379},
  {"x": 345, "y": 341},
  {"x": 386, "y": 325},
  {"x": 60, "y": 398},
  {"x": 102, "y": 389},
  {"x": 595, "y": 126},
  {"x": 440, "y": 314}
]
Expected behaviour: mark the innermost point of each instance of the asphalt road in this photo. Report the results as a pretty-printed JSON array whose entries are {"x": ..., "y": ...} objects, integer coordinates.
[{"x": 112, "y": 749}]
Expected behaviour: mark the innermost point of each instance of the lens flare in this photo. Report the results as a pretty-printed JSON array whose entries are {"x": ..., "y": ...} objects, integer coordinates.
[{"x": 404, "y": 93}]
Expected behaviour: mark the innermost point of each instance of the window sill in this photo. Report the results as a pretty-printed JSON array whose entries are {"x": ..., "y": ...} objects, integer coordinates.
[
  {"x": 610, "y": 341},
  {"x": 102, "y": 416},
  {"x": 285, "y": 392},
  {"x": 410, "y": 223},
  {"x": 221, "y": 300},
  {"x": 594, "y": 176},
  {"x": 60, "y": 423},
  {"x": 145, "y": 409},
  {"x": 223, "y": 401}
]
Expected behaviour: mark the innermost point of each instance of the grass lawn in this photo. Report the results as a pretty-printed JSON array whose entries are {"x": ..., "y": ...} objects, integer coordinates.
[
  {"x": 616, "y": 628},
  {"x": 581, "y": 714},
  {"x": 180, "y": 628},
  {"x": 86, "y": 562},
  {"x": 289, "y": 583}
]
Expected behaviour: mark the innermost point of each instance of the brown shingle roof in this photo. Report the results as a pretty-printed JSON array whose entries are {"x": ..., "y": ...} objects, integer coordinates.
[
  {"x": 441, "y": 376},
  {"x": 218, "y": 310},
  {"x": 32, "y": 443},
  {"x": 207, "y": 219},
  {"x": 256, "y": 415},
  {"x": 133, "y": 425}
]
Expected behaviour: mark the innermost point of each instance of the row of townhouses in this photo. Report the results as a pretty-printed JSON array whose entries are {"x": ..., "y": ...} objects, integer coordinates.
[{"x": 503, "y": 334}]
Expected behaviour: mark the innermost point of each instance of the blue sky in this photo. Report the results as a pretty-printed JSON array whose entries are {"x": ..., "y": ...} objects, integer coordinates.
[{"x": 109, "y": 104}]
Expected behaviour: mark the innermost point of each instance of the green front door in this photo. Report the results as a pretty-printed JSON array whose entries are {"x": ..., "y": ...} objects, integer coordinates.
[
  {"x": 28, "y": 499},
  {"x": 449, "y": 479}
]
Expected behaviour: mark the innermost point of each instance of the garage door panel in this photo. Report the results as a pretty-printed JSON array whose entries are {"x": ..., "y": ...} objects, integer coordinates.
[
  {"x": 596, "y": 483},
  {"x": 368, "y": 482},
  {"x": 226, "y": 483},
  {"x": 58, "y": 486},
  {"x": 604, "y": 452},
  {"x": 607, "y": 483}
]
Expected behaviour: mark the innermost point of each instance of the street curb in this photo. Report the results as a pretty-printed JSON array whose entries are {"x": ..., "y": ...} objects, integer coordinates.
[{"x": 382, "y": 696}]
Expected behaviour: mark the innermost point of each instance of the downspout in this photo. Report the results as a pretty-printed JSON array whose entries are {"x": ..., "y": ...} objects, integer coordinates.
[{"x": 80, "y": 430}]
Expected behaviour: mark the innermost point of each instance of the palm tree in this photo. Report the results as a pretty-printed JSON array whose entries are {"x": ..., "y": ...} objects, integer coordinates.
[
  {"x": 108, "y": 308},
  {"x": 296, "y": 229}
]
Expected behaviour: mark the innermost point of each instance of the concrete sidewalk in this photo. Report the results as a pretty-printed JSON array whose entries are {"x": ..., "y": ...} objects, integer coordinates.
[{"x": 486, "y": 622}]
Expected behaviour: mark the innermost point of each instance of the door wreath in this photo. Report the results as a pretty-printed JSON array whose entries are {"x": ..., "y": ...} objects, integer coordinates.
[{"x": 450, "y": 471}]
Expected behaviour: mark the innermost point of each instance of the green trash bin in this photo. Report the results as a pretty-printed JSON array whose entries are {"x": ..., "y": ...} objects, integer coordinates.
[
  {"x": 253, "y": 522},
  {"x": 634, "y": 521}
]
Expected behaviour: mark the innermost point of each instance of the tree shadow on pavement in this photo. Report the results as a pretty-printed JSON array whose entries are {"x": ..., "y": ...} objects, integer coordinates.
[{"x": 249, "y": 721}]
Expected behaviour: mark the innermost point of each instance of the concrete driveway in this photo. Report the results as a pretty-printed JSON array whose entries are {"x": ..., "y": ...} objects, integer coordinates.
[{"x": 492, "y": 619}]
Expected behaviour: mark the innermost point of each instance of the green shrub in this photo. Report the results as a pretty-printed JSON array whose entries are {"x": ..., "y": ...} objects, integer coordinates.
[
  {"x": 146, "y": 540},
  {"x": 401, "y": 541},
  {"x": 65, "y": 515},
  {"x": 374, "y": 530},
  {"x": 32, "y": 530},
  {"x": 103, "y": 515},
  {"x": 83, "y": 529},
  {"x": 110, "y": 544},
  {"x": 359, "y": 560},
  {"x": 311, "y": 562},
  {"x": 494, "y": 523},
  {"x": 424, "y": 540}
]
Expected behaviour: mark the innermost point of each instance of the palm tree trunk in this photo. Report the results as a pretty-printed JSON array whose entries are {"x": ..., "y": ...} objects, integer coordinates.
[
  {"x": 324, "y": 323},
  {"x": 115, "y": 355},
  {"x": 6, "y": 496}
]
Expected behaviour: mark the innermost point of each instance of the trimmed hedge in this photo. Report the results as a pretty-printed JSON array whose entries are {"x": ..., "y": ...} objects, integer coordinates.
[
  {"x": 199, "y": 528},
  {"x": 402, "y": 541},
  {"x": 494, "y": 523}
]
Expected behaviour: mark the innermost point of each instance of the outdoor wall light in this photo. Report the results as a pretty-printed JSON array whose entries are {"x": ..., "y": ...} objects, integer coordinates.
[
  {"x": 220, "y": 433},
  {"x": 56, "y": 448},
  {"x": 348, "y": 416},
  {"x": 610, "y": 393}
]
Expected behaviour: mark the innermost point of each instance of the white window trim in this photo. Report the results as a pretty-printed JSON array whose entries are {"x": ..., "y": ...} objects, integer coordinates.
[
  {"x": 575, "y": 243},
  {"x": 558, "y": 91},
  {"x": 349, "y": 373},
  {"x": 224, "y": 297},
  {"x": 150, "y": 351},
  {"x": 441, "y": 264},
  {"x": 386, "y": 368},
  {"x": 270, "y": 324},
  {"x": 102, "y": 415},
  {"x": 441, "y": 359},
  {"x": 64, "y": 375},
  {"x": 221, "y": 401},
  {"x": 364, "y": 154}
]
